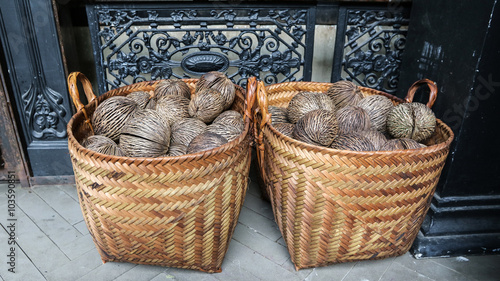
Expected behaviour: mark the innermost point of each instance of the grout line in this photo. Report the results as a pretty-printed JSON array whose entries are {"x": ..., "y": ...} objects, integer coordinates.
[
  {"x": 77, "y": 201},
  {"x": 410, "y": 269},
  {"x": 260, "y": 215},
  {"x": 48, "y": 204},
  {"x": 431, "y": 260},
  {"x": 387, "y": 268},
  {"x": 349, "y": 271},
  {"x": 122, "y": 273},
  {"x": 257, "y": 253},
  {"x": 41, "y": 230},
  {"x": 22, "y": 250}
]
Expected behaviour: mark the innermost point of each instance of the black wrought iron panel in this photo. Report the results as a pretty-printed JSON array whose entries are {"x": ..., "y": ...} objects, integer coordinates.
[
  {"x": 370, "y": 44},
  {"x": 134, "y": 43}
]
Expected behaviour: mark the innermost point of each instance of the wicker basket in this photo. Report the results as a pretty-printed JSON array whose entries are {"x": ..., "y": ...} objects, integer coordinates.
[
  {"x": 336, "y": 206},
  {"x": 169, "y": 211}
]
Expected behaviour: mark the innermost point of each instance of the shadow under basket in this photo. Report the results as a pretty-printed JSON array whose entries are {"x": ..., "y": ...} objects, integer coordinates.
[
  {"x": 168, "y": 211},
  {"x": 335, "y": 206}
]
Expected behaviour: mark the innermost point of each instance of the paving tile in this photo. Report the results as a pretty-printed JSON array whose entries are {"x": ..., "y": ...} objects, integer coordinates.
[
  {"x": 430, "y": 269},
  {"x": 37, "y": 246},
  {"x": 253, "y": 187},
  {"x": 256, "y": 264},
  {"x": 81, "y": 227},
  {"x": 302, "y": 273},
  {"x": 141, "y": 272},
  {"x": 75, "y": 268},
  {"x": 281, "y": 241},
  {"x": 368, "y": 270},
  {"x": 398, "y": 272},
  {"x": 179, "y": 274},
  {"x": 259, "y": 223},
  {"x": 58, "y": 247},
  {"x": 61, "y": 202},
  {"x": 78, "y": 247},
  {"x": 482, "y": 268},
  {"x": 46, "y": 218},
  {"x": 334, "y": 272},
  {"x": 23, "y": 268},
  {"x": 108, "y": 272},
  {"x": 259, "y": 206},
  {"x": 232, "y": 270},
  {"x": 261, "y": 244},
  {"x": 70, "y": 189}
]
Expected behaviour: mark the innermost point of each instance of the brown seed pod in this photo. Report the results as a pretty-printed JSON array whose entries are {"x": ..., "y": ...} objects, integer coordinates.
[
  {"x": 206, "y": 105},
  {"x": 228, "y": 131},
  {"x": 177, "y": 150},
  {"x": 140, "y": 97},
  {"x": 151, "y": 104},
  {"x": 285, "y": 128},
  {"x": 404, "y": 143},
  {"x": 186, "y": 129},
  {"x": 411, "y": 120},
  {"x": 278, "y": 114},
  {"x": 352, "y": 119},
  {"x": 173, "y": 108},
  {"x": 377, "y": 108},
  {"x": 102, "y": 145},
  {"x": 111, "y": 115},
  {"x": 205, "y": 141},
  {"x": 145, "y": 135},
  {"x": 305, "y": 102},
  {"x": 353, "y": 142},
  {"x": 376, "y": 137},
  {"x": 344, "y": 93},
  {"x": 219, "y": 82},
  {"x": 174, "y": 87},
  {"x": 231, "y": 117},
  {"x": 317, "y": 127}
]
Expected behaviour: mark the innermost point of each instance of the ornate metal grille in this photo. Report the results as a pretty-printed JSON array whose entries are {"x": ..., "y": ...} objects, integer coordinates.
[
  {"x": 146, "y": 43},
  {"x": 370, "y": 44}
]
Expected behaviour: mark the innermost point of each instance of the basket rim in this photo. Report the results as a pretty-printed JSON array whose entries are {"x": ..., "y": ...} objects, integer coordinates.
[
  {"x": 198, "y": 155},
  {"x": 428, "y": 149}
]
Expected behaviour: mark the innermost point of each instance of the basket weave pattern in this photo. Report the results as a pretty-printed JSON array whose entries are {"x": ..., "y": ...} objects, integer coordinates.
[
  {"x": 337, "y": 206},
  {"x": 170, "y": 211}
]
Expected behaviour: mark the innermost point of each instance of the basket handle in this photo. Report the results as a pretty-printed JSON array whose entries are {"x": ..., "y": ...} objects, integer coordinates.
[
  {"x": 262, "y": 101},
  {"x": 73, "y": 79},
  {"x": 432, "y": 95},
  {"x": 250, "y": 99},
  {"x": 258, "y": 127}
]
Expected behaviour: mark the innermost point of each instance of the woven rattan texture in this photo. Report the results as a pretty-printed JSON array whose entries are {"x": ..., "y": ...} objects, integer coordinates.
[
  {"x": 337, "y": 206},
  {"x": 170, "y": 211}
]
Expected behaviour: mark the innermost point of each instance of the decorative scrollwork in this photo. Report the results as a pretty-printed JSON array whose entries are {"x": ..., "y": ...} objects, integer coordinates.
[
  {"x": 139, "y": 44},
  {"x": 43, "y": 106},
  {"x": 374, "y": 47}
]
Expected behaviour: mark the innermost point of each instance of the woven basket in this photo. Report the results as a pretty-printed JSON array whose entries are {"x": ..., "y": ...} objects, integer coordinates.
[
  {"x": 169, "y": 211},
  {"x": 336, "y": 206}
]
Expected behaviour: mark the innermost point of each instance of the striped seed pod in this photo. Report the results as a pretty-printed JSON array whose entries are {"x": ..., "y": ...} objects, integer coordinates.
[
  {"x": 353, "y": 142},
  {"x": 344, "y": 93},
  {"x": 186, "y": 129},
  {"x": 206, "y": 105},
  {"x": 352, "y": 119},
  {"x": 305, "y": 102},
  {"x": 219, "y": 82},
  {"x": 205, "y": 141},
  {"x": 174, "y": 87},
  {"x": 318, "y": 127},
  {"x": 377, "y": 108},
  {"x": 111, "y": 115}
]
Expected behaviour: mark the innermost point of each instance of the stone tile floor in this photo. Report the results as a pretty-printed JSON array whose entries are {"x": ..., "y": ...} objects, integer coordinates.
[{"x": 53, "y": 243}]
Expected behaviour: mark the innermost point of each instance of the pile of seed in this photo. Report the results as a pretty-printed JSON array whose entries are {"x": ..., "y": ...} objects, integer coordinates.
[
  {"x": 343, "y": 118},
  {"x": 172, "y": 120}
]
